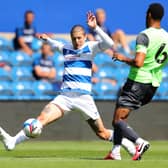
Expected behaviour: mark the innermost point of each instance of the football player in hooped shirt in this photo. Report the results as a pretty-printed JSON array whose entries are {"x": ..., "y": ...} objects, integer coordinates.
[{"x": 76, "y": 86}]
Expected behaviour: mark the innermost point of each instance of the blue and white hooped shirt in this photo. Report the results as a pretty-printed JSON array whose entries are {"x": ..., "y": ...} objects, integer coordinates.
[
  {"x": 78, "y": 63},
  {"x": 77, "y": 69}
]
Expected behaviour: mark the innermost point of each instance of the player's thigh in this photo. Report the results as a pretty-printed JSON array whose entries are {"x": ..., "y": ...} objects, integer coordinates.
[
  {"x": 87, "y": 107},
  {"x": 50, "y": 113}
]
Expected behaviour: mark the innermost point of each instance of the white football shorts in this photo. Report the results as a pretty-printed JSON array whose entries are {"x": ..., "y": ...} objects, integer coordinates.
[{"x": 76, "y": 101}]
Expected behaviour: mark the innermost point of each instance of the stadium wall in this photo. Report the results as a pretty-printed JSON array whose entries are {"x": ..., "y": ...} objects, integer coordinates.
[
  {"x": 150, "y": 121},
  {"x": 59, "y": 16}
]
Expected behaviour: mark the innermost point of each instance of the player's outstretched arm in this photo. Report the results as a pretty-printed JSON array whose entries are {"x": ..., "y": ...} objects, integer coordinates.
[
  {"x": 106, "y": 42},
  {"x": 54, "y": 43}
]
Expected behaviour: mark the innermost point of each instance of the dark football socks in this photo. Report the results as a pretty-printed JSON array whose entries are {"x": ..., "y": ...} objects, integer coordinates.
[{"x": 122, "y": 129}]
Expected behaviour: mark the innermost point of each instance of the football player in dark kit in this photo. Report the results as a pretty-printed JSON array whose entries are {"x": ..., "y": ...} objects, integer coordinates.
[{"x": 143, "y": 80}]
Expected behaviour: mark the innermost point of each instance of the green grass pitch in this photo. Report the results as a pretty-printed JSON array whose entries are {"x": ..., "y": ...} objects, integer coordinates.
[{"x": 78, "y": 154}]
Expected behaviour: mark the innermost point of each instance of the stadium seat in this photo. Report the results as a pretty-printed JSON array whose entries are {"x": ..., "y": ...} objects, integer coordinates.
[
  {"x": 165, "y": 74},
  {"x": 162, "y": 92},
  {"x": 59, "y": 73},
  {"x": 6, "y": 44},
  {"x": 102, "y": 59},
  {"x": 6, "y": 91},
  {"x": 5, "y": 75},
  {"x": 122, "y": 73},
  {"x": 22, "y": 74},
  {"x": 43, "y": 90},
  {"x": 36, "y": 44},
  {"x": 19, "y": 58},
  {"x": 132, "y": 45},
  {"x": 105, "y": 90},
  {"x": 4, "y": 57},
  {"x": 58, "y": 59},
  {"x": 105, "y": 72},
  {"x": 23, "y": 90}
]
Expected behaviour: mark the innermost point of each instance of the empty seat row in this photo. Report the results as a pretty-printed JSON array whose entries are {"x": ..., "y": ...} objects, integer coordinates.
[{"x": 25, "y": 90}]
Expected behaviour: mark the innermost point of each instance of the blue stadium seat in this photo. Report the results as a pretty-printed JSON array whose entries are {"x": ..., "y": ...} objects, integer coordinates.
[
  {"x": 122, "y": 65},
  {"x": 43, "y": 90},
  {"x": 6, "y": 91},
  {"x": 22, "y": 74},
  {"x": 132, "y": 45},
  {"x": 36, "y": 44},
  {"x": 23, "y": 90},
  {"x": 6, "y": 44},
  {"x": 102, "y": 59},
  {"x": 105, "y": 90},
  {"x": 59, "y": 71},
  {"x": 122, "y": 74},
  {"x": 162, "y": 92},
  {"x": 5, "y": 75},
  {"x": 105, "y": 72},
  {"x": 165, "y": 74},
  {"x": 19, "y": 58},
  {"x": 58, "y": 59},
  {"x": 4, "y": 57}
]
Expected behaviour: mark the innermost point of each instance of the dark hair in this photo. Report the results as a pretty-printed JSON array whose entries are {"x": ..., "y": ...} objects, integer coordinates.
[
  {"x": 44, "y": 44},
  {"x": 79, "y": 27},
  {"x": 156, "y": 10},
  {"x": 29, "y": 11}
]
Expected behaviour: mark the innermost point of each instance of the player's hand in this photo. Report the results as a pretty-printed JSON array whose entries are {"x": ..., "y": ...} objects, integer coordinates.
[
  {"x": 43, "y": 37},
  {"x": 91, "y": 20},
  {"x": 118, "y": 56}
]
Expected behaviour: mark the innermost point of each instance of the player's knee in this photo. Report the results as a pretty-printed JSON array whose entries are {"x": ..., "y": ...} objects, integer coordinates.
[
  {"x": 120, "y": 114},
  {"x": 119, "y": 32}
]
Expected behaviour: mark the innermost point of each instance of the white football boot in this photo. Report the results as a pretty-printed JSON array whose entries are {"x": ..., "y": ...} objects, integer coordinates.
[{"x": 7, "y": 140}]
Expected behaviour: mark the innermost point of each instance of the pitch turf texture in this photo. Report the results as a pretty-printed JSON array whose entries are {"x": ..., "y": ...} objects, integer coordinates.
[{"x": 78, "y": 154}]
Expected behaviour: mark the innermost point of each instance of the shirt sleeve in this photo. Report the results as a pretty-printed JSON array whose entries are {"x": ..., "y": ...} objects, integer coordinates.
[
  {"x": 142, "y": 42},
  {"x": 56, "y": 44},
  {"x": 36, "y": 62},
  {"x": 19, "y": 32},
  {"x": 105, "y": 43}
]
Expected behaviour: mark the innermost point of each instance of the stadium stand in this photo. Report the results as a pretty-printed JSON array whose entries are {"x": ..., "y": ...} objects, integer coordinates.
[
  {"x": 43, "y": 90},
  {"x": 5, "y": 75},
  {"x": 22, "y": 90},
  {"x": 6, "y": 44},
  {"x": 6, "y": 91},
  {"x": 36, "y": 44},
  {"x": 20, "y": 73},
  {"x": 19, "y": 84},
  {"x": 19, "y": 58},
  {"x": 105, "y": 91},
  {"x": 4, "y": 57}
]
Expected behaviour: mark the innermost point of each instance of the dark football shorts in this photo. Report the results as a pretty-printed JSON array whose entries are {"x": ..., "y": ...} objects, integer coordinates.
[{"x": 134, "y": 94}]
